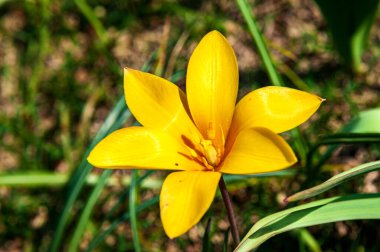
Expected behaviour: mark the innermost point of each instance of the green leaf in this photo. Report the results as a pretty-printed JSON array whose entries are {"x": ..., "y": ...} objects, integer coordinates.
[
  {"x": 366, "y": 122},
  {"x": 132, "y": 211},
  {"x": 353, "y": 207},
  {"x": 274, "y": 76},
  {"x": 124, "y": 195},
  {"x": 53, "y": 179},
  {"x": 362, "y": 129},
  {"x": 307, "y": 240},
  {"x": 35, "y": 179},
  {"x": 89, "y": 13},
  {"x": 336, "y": 180},
  {"x": 225, "y": 240},
  {"x": 86, "y": 213},
  {"x": 115, "y": 119},
  {"x": 104, "y": 233},
  {"x": 78, "y": 177},
  {"x": 206, "y": 242},
  {"x": 262, "y": 48},
  {"x": 349, "y": 22}
]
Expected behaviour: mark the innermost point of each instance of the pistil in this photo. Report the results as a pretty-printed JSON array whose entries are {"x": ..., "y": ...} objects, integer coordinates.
[
  {"x": 211, "y": 154},
  {"x": 205, "y": 152}
]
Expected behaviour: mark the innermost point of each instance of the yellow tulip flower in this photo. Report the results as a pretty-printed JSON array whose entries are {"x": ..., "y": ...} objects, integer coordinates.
[{"x": 202, "y": 133}]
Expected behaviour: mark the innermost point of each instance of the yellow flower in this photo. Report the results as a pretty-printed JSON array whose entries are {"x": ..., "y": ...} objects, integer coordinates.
[{"x": 202, "y": 133}]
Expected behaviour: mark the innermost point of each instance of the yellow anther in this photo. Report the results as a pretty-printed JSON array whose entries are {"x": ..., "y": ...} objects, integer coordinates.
[{"x": 210, "y": 152}]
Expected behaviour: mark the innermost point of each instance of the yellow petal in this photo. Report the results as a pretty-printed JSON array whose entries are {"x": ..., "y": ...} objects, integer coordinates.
[
  {"x": 258, "y": 150},
  {"x": 276, "y": 108},
  {"x": 158, "y": 103},
  {"x": 212, "y": 84},
  {"x": 138, "y": 147},
  {"x": 185, "y": 198}
]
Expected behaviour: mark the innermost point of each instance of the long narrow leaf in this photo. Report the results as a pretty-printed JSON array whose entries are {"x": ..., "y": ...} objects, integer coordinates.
[
  {"x": 79, "y": 176},
  {"x": 42, "y": 179},
  {"x": 270, "y": 68},
  {"x": 124, "y": 195},
  {"x": 87, "y": 211},
  {"x": 367, "y": 121},
  {"x": 88, "y": 12},
  {"x": 336, "y": 180},
  {"x": 260, "y": 43},
  {"x": 365, "y": 125},
  {"x": 349, "y": 22},
  {"x": 53, "y": 179},
  {"x": 307, "y": 239},
  {"x": 206, "y": 243},
  {"x": 353, "y": 207},
  {"x": 132, "y": 211},
  {"x": 102, "y": 235}
]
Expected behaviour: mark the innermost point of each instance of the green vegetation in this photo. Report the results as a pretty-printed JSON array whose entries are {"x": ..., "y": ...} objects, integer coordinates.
[{"x": 61, "y": 92}]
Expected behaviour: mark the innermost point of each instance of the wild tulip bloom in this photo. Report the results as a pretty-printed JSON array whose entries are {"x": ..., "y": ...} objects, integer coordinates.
[{"x": 202, "y": 133}]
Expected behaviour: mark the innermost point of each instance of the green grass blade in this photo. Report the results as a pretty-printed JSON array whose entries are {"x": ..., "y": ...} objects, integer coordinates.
[
  {"x": 367, "y": 122},
  {"x": 349, "y": 22},
  {"x": 37, "y": 179},
  {"x": 307, "y": 239},
  {"x": 260, "y": 43},
  {"x": 274, "y": 77},
  {"x": 79, "y": 176},
  {"x": 92, "y": 19},
  {"x": 102, "y": 235},
  {"x": 233, "y": 178},
  {"x": 132, "y": 211},
  {"x": 87, "y": 211},
  {"x": 225, "y": 240},
  {"x": 53, "y": 179},
  {"x": 334, "y": 141},
  {"x": 353, "y": 207},
  {"x": 124, "y": 195},
  {"x": 206, "y": 243},
  {"x": 336, "y": 180}
]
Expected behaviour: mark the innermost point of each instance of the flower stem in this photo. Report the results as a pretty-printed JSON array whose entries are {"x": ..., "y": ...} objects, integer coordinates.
[{"x": 230, "y": 211}]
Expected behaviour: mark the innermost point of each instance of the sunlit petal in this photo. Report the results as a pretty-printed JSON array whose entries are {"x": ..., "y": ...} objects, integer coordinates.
[
  {"x": 258, "y": 150},
  {"x": 185, "y": 198},
  {"x": 276, "y": 108},
  {"x": 141, "y": 148},
  {"x": 212, "y": 84},
  {"x": 158, "y": 103}
]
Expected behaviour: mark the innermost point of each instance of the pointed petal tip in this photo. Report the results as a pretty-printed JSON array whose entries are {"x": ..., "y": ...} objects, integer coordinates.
[
  {"x": 91, "y": 158},
  {"x": 173, "y": 234},
  {"x": 269, "y": 153},
  {"x": 211, "y": 86},
  {"x": 214, "y": 33},
  {"x": 292, "y": 160},
  {"x": 277, "y": 108},
  {"x": 128, "y": 71},
  {"x": 286, "y": 201}
]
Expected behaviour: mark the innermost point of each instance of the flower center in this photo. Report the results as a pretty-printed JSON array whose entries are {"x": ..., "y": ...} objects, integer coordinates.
[
  {"x": 210, "y": 153},
  {"x": 205, "y": 152}
]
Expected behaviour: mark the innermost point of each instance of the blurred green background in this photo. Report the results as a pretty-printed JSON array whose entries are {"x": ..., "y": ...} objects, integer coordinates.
[{"x": 61, "y": 65}]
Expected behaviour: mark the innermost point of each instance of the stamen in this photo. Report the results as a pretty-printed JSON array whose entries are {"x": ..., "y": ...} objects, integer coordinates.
[
  {"x": 204, "y": 152},
  {"x": 210, "y": 152}
]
